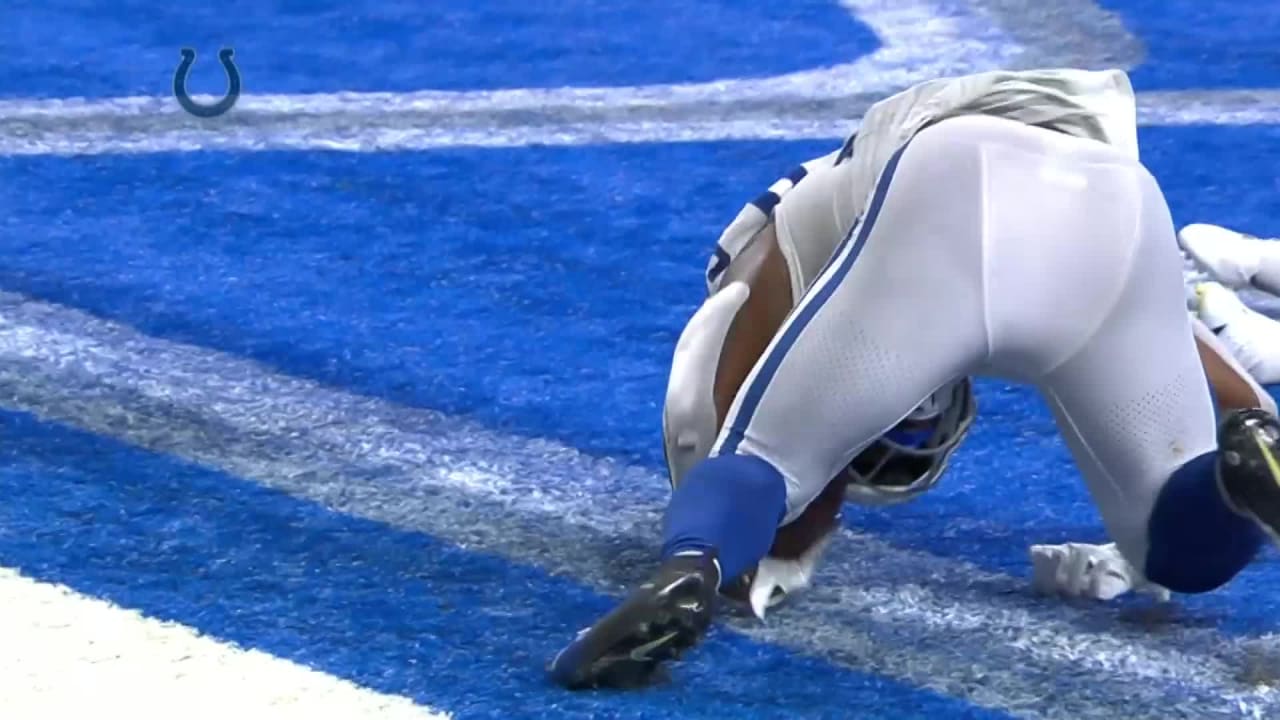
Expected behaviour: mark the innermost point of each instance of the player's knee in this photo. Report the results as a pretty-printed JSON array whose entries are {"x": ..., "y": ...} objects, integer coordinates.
[{"x": 1195, "y": 542}]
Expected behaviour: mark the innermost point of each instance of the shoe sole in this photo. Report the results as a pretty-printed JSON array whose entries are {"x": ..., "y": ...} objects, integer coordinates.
[
  {"x": 619, "y": 652},
  {"x": 1273, "y": 469}
]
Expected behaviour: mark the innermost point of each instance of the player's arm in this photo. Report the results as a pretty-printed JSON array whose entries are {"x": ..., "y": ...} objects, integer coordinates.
[
  {"x": 1233, "y": 387},
  {"x": 762, "y": 268}
]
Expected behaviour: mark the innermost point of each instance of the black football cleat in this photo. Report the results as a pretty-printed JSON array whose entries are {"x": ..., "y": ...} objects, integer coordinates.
[
  {"x": 657, "y": 622},
  {"x": 1249, "y": 466}
]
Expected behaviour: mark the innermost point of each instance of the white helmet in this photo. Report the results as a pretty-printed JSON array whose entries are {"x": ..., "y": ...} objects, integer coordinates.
[{"x": 910, "y": 458}]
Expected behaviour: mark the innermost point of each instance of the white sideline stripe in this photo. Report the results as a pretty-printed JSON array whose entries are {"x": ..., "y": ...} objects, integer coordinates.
[
  {"x": 1162, "y": 107},
  {"x": 1037, "y": 636},
  {"x": 65, "y": 655},
  {"x": 290, "y": 123},
  {"x": 553, "y": 507}
]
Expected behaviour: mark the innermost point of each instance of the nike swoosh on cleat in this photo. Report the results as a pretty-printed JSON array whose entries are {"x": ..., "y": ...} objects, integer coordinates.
[
  {"x": 641, "y": 653},
  {"x": 1272, "y": 464}
]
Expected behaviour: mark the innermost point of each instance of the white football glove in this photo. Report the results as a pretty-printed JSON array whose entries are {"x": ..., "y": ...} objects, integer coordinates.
[
  {"x": 1080, "y": 570},
  {"x": 776, "y": 578}
]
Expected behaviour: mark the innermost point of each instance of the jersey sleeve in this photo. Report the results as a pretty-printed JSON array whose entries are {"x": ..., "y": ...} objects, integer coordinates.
[{"x": 753, "y": 217}]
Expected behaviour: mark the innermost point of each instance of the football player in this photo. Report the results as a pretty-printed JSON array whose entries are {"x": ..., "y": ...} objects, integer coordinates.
[
  {"x": 997, "y": 224},
  {"x": 1224, "y": 262}
]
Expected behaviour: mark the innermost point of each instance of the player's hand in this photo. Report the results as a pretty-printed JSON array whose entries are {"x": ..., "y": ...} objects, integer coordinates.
[{"x": 1080, "y": 570}]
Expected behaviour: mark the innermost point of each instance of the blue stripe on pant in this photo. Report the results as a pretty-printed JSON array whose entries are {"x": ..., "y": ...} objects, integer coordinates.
[
  {"x": 731, "y": 504},
  {"x": 809, "y": 308}
]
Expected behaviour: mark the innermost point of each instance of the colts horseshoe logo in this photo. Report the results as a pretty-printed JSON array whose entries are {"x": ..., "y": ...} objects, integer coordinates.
[{"x": 199, "y": 109}]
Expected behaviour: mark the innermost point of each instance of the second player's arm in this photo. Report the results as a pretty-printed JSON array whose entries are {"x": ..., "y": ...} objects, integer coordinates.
[{"x": 1233, "y": 387}]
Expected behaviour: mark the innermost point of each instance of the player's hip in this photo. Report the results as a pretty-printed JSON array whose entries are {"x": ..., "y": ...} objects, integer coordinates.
[{"x": 1039, "y": 232}]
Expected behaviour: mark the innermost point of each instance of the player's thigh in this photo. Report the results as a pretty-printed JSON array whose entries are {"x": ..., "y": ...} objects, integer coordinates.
[
  {"x": 1134, "y": 403},
  {"x": 896, "y": 314}
]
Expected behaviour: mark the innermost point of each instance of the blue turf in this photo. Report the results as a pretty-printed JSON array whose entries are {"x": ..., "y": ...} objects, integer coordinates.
[
  {"x": 537, "y": 290},
  {"x": 392, "y": 610},
  {"x": 380, "y": 274},
  {"x": 383, "y": 274},
  {"x": 1195, "y": 44},
  {"x": 64, "y": 48}
]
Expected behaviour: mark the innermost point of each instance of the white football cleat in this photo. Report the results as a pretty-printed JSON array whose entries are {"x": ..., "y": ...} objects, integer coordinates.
[
  {"x": 1218, "y": 306},
  {"x": 1080, "y": 570},
  {"x": 1229, "y": 257},
  {"x": 1252, "y": 338}
]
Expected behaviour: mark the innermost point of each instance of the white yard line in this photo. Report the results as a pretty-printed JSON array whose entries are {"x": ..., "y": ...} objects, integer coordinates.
[{"x": 65, "y": 655}]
